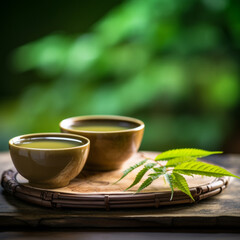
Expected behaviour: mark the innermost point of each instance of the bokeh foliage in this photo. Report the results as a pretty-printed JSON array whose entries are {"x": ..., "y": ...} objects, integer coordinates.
[{"x": 173, "y": 64}]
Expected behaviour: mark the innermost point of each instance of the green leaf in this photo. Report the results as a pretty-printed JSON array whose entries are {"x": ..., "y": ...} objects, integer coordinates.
[
  {"x": 183, "y": 172},
  {"x": 179, "y": 161},
  {"x": 176, "y": 161},
  {"x": 184, "y": 152},
  {"x": 169, "y": 180},
  {"x": 146, "y": 183},
  {"x": 141, "y": 174},
  {"x": 180, "y": 182},
  {"x": 160, "y": 169},
  {"x": 127, "y": 171},
  {"x": 201, "y": 168},
  {"x": 155, "y": 174},
  {"x": 158, "y": 172}
]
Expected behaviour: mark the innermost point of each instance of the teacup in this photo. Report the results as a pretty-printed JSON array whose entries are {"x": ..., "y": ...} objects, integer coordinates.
[
  {"x": 49, "y": 160},
  {"x": 114, "y": 139}
]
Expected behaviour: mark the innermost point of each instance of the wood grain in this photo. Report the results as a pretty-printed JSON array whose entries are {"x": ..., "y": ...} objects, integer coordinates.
[
  {"x": 220, "y": 211},
  {"x": 89, "y": 182}
]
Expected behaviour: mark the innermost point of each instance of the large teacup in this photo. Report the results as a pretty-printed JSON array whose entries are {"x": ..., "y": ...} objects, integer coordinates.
[{"x": 113, "y": 139}]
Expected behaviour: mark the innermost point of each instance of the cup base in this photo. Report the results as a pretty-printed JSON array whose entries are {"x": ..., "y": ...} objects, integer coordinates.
[{"x": 48, "y": 185}]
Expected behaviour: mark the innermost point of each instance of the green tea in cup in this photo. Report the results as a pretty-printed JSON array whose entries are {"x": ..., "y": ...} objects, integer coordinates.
[
  {"x": 101, "y": 125},
  {"x": 48, "y": 142}
]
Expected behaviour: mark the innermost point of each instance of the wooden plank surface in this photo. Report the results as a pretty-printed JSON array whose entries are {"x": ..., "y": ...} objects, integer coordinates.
[
  {"x": 117, "y": 235},
  {"x": 220, "y": 211}
]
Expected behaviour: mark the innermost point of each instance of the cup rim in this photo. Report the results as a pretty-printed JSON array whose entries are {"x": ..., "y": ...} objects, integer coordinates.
[
  {"x": 63, "y": 135},
  {"x": 66, "y": 121}
]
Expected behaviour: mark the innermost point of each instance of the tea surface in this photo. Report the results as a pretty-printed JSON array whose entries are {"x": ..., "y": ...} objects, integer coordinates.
[
  {"x": 49, "y": 143},
  {"x": 99, "y": 128}
]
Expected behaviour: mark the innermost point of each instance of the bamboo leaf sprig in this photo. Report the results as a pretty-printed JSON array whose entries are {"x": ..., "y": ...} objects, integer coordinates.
[{"x": 178, "y": 162}]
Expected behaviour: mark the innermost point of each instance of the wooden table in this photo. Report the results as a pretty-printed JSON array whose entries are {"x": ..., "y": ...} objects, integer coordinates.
[{"x": 219, "y": 213}]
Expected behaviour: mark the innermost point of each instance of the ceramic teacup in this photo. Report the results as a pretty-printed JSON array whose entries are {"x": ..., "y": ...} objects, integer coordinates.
[
  {"x": 49, "y": 166},
  {"x": 110, "y": 148}
]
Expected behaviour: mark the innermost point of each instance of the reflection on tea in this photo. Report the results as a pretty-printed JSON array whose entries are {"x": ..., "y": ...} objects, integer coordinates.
[
  {"x": 49, "y": 143},
  {"x": 99, "y": 128}
]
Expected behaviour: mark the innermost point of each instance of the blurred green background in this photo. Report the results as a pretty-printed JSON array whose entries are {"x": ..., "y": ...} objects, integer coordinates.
[{"x": 173, "y": 64}]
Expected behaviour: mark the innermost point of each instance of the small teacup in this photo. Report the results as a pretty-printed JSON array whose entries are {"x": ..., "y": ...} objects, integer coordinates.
[
  {"x": 49, "y": 160},
  {"x": 114, "y": 139}
]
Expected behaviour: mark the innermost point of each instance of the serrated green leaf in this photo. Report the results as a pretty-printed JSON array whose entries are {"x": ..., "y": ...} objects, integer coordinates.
[
  {"x": 155, "y": 174},
  {"x": 146, "y": 183},
  {"x": 176, "y": 161},
  {"x": 201, "y": 168},
  {"x": 141, "y": 174},
  {"x": 183, "y": 172},
  {"x": 180, "y": 182},
  {"x": 169, "y": 180},
  {"x": 160, "y": 169},
  {"x": 158, "y": 172},
  {"x": 184, "y": 152},
  {"x": 180, "y": 161},
  {"x": 127, "y": 171}
]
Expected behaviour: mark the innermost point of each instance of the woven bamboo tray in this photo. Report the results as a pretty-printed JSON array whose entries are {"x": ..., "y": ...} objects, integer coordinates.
[{"x": 95, "y": 190}]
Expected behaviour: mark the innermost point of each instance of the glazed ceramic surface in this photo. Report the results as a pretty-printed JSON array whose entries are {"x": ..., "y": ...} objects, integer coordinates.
[
  {"x": 109, "y": 149},
  {"x": 49, "y": 167}
]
